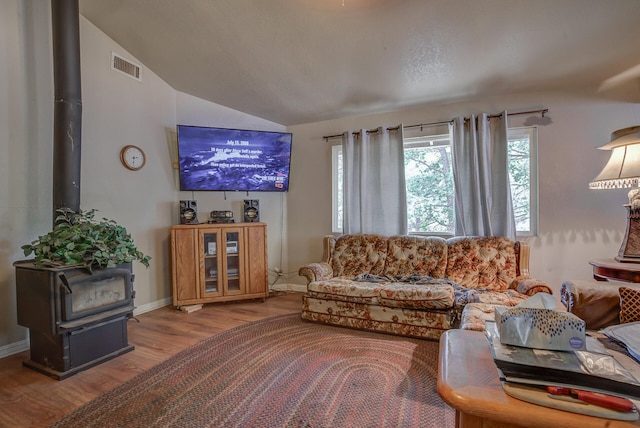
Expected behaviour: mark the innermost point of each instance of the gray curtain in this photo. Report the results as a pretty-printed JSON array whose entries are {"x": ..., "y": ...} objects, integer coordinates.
[
  {"x": 374, "y": 185},
  {"x": 481, "y": 175}
]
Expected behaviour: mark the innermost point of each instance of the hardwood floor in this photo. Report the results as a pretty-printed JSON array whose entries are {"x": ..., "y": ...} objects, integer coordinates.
[{"x": 31, "y": 399}]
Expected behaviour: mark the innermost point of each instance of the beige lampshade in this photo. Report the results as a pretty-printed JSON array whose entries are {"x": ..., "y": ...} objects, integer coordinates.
[{"x": 623, "y": 168}]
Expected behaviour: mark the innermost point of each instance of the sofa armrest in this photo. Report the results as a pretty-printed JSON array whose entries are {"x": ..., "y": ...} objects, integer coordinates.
[
  {"x": 597, "y": 303},
  {"x": 530, "y": 286},
  {"x": 316, "y": 271}
]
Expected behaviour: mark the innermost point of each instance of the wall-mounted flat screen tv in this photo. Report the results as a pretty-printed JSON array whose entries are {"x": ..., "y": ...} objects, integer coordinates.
[{"x": 222, "y": 159}]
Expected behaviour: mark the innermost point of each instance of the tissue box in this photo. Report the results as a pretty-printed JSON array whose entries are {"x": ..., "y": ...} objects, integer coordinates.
[{"x": 540, "y": 328}]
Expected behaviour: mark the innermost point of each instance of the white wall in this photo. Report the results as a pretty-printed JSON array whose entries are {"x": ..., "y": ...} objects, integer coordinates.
[
  {"x": 117, "y": 111},
  {"x": 576, "y": 224},
  {"x": 26, "y": 135}
]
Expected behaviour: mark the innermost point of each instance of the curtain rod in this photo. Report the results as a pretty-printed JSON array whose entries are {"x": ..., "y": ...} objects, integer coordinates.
[{"x": 421, "y": 125}]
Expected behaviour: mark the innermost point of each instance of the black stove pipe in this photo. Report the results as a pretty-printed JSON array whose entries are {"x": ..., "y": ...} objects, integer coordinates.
[{"x": 67, "y": 120}]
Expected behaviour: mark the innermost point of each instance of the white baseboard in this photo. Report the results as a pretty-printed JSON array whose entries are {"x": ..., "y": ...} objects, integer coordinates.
[
  {"x": 152, "y": 306},
  {"x": 14, "y": 348},
  {"x": 289, "y": 287}
]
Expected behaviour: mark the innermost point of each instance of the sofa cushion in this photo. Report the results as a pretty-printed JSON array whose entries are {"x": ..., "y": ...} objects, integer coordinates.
[
  {"x": 475, "y": 315},
  {"x": 481, "y": 262},
  {"x": 377, "y": 291},
  {"x": 345, "y": 290},
  {"x": 509, "y": 297},
  {"x": 416, "y": 255},
  {"x": 357, "y": 254},
  {"x": 417, "y": 296}
]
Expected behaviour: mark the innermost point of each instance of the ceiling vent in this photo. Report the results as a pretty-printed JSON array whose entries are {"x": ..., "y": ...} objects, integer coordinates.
[{"x": 126, "y": 67}]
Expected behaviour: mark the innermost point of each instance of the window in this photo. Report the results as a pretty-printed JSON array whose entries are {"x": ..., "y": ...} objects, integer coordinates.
[
  {"x": 430, "y": 189},
  {"x": 523, "y": 177},
  {"x": 429, "y": 184},
  {"x": 336, "y": 188}
]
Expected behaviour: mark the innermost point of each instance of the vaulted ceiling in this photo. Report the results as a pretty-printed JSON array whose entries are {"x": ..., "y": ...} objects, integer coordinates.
[{"x": 300, "y": 61}]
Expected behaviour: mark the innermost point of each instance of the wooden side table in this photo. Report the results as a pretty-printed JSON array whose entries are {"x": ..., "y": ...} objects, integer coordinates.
[
  {"x": 606, "y": 269},
  {"x": 468, "y": 381}
]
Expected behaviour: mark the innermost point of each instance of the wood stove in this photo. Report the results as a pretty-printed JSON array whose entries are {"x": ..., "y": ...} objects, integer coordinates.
[{"x": 76, "y": 319}]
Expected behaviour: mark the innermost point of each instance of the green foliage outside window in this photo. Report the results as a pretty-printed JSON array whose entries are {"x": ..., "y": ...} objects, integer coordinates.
[
  {"x": 429, "y": 183},
  {"x": 519, "y": 177}
]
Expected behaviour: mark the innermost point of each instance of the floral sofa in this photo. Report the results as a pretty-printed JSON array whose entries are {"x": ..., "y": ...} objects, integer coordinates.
[{"x": 416, "y": 286}]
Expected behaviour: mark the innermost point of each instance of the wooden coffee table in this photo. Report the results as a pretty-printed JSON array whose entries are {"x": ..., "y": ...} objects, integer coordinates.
[{"x": 468, "y": 381}]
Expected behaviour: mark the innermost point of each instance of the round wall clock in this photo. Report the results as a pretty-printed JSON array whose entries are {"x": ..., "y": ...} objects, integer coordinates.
[{"x": 132, "y": 157}]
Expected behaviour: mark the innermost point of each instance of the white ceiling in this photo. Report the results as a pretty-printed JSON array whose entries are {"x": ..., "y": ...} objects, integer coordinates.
[{"x": 300, "y": 61}]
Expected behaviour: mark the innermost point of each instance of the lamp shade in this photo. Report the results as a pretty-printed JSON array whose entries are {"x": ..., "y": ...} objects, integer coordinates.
[{"x": 623, "y": 168}]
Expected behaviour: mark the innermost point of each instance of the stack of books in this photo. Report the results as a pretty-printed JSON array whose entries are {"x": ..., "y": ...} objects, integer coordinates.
[{"x": 594, "y": 369}]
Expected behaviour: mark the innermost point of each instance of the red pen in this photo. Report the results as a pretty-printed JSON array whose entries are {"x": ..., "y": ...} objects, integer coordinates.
[{"x": 609, "y": 401}]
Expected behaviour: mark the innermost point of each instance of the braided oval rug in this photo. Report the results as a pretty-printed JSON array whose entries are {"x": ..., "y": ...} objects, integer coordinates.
[{"x": 281, "y": 372}]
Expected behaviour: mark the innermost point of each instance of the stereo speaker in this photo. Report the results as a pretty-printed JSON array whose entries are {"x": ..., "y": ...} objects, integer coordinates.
[
  {"x": 251, "y": 210},
  {"x": 188, "y": 212}
]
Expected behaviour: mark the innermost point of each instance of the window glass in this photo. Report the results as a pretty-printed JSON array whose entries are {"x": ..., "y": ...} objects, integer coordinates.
[
  {"x": 523, "y": 178},
  {"x": 429, "y": 183},
  {"x": 336, "y": 188}
]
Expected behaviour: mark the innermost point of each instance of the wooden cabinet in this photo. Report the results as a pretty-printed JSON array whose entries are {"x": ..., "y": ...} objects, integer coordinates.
[{"x": 218, "y": 262}]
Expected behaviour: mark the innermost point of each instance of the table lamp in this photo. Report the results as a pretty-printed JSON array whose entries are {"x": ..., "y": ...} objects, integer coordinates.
[{"x": 623, "y": 171}]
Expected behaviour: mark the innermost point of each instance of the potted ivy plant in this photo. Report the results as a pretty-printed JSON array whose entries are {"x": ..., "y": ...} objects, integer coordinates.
[
  {"x": 80, "y": 240},
  {"x": 76, "y": 295}
]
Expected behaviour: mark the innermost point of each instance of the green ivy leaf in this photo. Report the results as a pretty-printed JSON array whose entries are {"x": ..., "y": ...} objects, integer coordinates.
[{"x": 77, "y": 239}]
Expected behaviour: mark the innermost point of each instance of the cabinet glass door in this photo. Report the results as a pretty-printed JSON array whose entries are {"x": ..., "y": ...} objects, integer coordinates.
[
  {"x": 211, "y": 264},
  {"x": 233, "y": 262}
]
